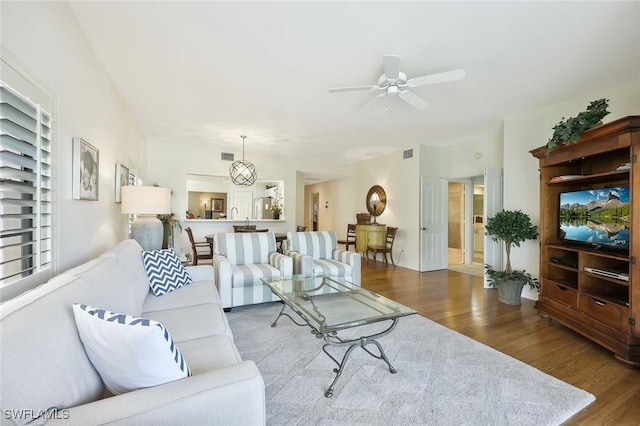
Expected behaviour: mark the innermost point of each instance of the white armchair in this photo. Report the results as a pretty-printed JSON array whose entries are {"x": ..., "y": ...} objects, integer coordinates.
[
  {"x": 318, "y": 253},
  {"x": 240, "y": 261}
]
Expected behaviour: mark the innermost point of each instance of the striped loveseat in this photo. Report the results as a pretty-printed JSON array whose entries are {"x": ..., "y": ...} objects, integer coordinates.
[
  {"x": 317, "y": 253},
  {"x": 240, "y": 260}
]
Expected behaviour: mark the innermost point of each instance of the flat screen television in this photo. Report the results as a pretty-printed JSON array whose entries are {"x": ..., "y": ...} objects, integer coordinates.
[{"x": 596, "y": 217}]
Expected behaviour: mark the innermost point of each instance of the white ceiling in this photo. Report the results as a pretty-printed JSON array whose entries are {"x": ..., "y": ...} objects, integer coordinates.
[{"x": 207, "y": 72}]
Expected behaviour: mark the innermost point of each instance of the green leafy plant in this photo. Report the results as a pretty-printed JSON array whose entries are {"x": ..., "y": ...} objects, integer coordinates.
[
  {"x": 169, "y": 224},
  {"x": 275, "y": 208},
  {"x": 276, "y": 204},
  {"x": 512, "y": 227},
  {"x": 569, "y": 130}
]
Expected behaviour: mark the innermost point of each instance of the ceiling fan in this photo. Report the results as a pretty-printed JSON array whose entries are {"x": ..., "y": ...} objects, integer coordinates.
[{"x": 395, "y": 83}]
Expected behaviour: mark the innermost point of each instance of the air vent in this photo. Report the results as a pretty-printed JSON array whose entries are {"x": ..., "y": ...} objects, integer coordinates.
[
  {"x": 227, "y": 156},
  {"x": 407, "y": 154}
]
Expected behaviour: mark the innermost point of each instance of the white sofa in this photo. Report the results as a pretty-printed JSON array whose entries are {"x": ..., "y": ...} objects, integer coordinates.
[
  {"x": 317, "y": 252},
  {"x": 241, "y": 260},
  {"x": 44, "y": 367}
]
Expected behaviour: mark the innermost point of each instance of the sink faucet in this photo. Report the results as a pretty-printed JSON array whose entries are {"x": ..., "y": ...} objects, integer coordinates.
[{"x": 232, "y": 209}]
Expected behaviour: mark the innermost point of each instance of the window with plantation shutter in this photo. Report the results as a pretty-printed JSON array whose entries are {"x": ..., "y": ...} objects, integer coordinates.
[{"x": 25, "y": 187}]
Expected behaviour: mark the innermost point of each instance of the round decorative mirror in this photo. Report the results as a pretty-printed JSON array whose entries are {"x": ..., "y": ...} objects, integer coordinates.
[{"x": 376, "y": 201}]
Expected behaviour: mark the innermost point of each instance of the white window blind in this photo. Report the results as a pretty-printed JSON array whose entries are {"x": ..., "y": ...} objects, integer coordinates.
[{"x": 25, "y": 187}]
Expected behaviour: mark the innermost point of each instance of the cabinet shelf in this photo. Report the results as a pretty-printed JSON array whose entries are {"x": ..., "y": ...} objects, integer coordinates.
[
  {"x": 561, "y": 266},
  {"x": 608, "y": 279},
  {"x": 590, "y": 251},
  {"x": 596, "y": 177}
]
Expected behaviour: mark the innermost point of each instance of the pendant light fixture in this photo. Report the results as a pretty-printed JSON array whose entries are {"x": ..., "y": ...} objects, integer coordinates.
[{"x": 243, "y": 172}]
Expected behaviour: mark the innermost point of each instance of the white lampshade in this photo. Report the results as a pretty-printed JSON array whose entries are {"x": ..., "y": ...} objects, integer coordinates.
[
  {"x": 375, "y": 199},
  {"x": 146, "y": 202}
]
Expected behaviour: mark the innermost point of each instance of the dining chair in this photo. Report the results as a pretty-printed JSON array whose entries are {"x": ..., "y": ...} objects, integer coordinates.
[
  {"x": 202, "y": 250},
  {"x": 386, "y": 248},
  {"x": 351, "y": 237}
]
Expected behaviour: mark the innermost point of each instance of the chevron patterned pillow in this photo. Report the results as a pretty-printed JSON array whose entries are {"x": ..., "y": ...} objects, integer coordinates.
[
  {"x": 128, "y": 352},
  {"x": 164, "y": 271}
]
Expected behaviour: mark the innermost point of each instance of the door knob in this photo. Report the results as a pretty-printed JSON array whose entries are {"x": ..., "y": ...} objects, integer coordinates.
[{"x": 424, "y": 229}]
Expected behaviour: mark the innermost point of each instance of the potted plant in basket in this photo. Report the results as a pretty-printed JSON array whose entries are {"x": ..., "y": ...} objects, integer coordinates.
[{"x": 512, "y": 227}]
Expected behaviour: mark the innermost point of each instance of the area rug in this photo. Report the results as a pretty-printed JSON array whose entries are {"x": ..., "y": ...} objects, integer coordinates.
[{"x": 443, "y": 378}]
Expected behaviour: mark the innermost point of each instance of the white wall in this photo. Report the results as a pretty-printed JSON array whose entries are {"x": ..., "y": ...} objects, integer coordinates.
[
  {"x": 460, "y": 159},
  {"x": 45, "y": 40},
  {"x": 338, "y": 205},
  {"x": 524, "y": 132}
]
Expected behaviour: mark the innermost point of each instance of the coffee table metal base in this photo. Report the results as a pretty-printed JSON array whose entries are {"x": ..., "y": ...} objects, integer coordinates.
[{"x": 332, "y": 339}]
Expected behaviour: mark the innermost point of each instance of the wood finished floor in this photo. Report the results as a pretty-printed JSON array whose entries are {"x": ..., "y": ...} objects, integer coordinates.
[{"x": 459, "y": 302}]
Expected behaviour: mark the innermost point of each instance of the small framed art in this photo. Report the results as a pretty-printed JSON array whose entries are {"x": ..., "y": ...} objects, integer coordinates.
[
  {"x": 217, "y": 204},
  {"x": 122, "y": 179},
  {"x": 86, "y": 162}
]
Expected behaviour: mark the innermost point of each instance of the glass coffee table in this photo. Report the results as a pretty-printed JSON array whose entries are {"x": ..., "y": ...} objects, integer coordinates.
[{"x": 329, "y": 305}]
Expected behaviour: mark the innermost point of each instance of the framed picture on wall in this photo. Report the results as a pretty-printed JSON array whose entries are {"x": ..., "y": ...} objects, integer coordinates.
[
  {"x": 217, "y": 204},
  {"x": 122, "y": 179},
  {"x": 85, "y": 164}
]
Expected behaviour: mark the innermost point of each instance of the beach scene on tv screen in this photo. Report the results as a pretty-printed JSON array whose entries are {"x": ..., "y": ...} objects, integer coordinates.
[{"x": 598, "y": 216}]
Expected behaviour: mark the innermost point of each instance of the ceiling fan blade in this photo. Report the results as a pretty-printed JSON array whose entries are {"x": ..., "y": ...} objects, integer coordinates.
[
  {"x": 372, "y": 101},
  {"x": 437, "y": 78},
  {"x": 352, "y": 89},
  {"x": 391, "y": 66},
  {"x": 412, "y": 99}
]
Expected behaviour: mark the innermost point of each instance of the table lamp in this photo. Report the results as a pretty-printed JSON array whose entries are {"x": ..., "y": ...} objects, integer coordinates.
[
  {"x": 146, "y": 202},
  {"x": 375, "y": 200}
]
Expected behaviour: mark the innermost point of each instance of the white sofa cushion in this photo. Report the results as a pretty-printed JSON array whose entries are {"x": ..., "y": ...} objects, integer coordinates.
[
  {"x": 128, "y": 254},
  {"x": 128, "y": 352},
  {"x": 199, "y": 351},
  {"x": 193, "y": 322},
  {"x": 164, "y": 271},
  {"x": 195, "y": 293}
]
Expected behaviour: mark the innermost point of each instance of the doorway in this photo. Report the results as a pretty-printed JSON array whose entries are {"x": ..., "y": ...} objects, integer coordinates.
[
  {"x": 466, "y": 225},
  {"x": 315, "y": 202}
]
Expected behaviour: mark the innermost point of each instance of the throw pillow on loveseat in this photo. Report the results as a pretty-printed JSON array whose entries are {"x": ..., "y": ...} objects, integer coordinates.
[{"x": 128, "y": 352}]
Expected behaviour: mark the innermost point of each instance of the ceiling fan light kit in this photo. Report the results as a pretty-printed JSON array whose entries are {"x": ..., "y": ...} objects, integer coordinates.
[
  {"x": 395, "y": 83},
  {"x": 243, "y": 173}
]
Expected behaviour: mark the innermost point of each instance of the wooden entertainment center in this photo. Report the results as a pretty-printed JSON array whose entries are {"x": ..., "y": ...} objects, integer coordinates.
[{"x": 605, "y": 309}]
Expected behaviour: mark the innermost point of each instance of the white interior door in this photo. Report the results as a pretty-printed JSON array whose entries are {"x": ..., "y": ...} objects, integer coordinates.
[
  {"x": 492, "y": 205},
  {"x": 243, "y": 201},
  {"x": 434, "y": 233}
]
